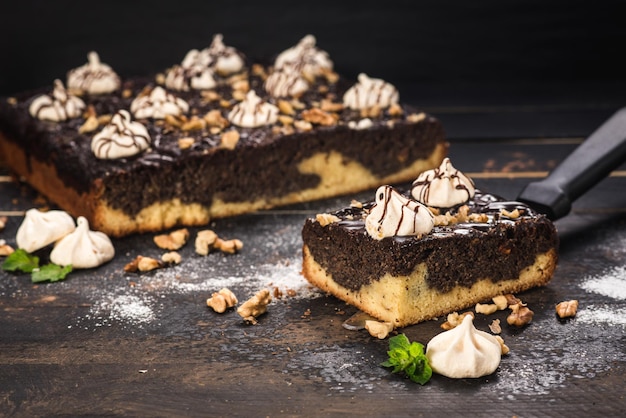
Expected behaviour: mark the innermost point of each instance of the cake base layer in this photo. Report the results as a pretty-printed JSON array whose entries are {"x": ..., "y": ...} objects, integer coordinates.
[{"x": 406, "y": 300}]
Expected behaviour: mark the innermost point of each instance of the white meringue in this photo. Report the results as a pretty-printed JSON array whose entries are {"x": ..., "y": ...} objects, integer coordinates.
[
  {"x": 120, "y": 138},
  {"x": 94, "y": 77},
  {"x": 396, "y": 215},
  {"x": 39, "y": 229},
  {"x": 443, "y": 187},
  {"x": 253, "y": 112},
  {"x": 58, "y": 107},
  {"x": 310, "y": 60},
  {"x": 369, "y": 92},
  {"x": 225, "y": 60},
  {"x": 464, "y": 352},
  {"x": 83, "y": 248},
  {"x": 157, "y": 104},
  {"x": 196, "y": 77},
  {"x": 286, "y": 82}
]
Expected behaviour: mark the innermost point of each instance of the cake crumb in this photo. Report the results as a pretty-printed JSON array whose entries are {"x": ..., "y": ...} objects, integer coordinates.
[
  {"x": 567, "y": 308},
  {"x": 378, "y": 329},
  {"x": 486, "y": 309},
  {"x": 254, "y": 307},
  {"x": 172, "y": 241}
]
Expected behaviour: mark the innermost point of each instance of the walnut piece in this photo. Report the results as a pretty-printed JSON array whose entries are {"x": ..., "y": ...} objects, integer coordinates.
[
  {"x": 319, "y": 117},
  {"x": 378, "y": 329},
  {"x": 90, "y": 125},
  {"x": 454, "y": 319},
  {"x": 500, "y": 302},
  {"x": 205, "y": 241},
  {"x": 5, "y": 249},
  {"x": 416, "y": 117},
  {"x": 495, "y": 326},
  {"x": 326, "y": 219},
  {"x": 486, "y": 309},
  {"x": 395, "y": 110},
  {"x": 186, "y": 142},
  {"x": 171, "y": 257},
  {"x": 141, "y": 263},
  {"x": 512, "y": 215},
  {"x": 286, "y": 108},
  {"x": 302, "y": 125},
  {"x": 520, "y": 315},
  {"x": 229, "y": 139},
  {"x": 567, "y": 308},
  {"x": 230, "y": 246},
  {"x": 505, "y": 349},
  {"x": 330, "y": 106},
  {"x": 254, "y": 307},
  {"x": 222, "y": 300},
  {"x": 172, "y": 241}
]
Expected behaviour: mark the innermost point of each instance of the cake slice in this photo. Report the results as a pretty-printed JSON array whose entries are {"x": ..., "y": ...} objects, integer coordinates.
[
  {"x": 214, "y": 136},
  {"x": 403, "y": 261}
]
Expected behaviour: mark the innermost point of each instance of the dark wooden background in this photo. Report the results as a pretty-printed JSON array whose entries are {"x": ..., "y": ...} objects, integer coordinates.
[{"x": 517, "y": 85}]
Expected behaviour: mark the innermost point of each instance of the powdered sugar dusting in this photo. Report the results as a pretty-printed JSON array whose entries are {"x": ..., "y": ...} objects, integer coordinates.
[
  {"x": 603, "y": 314},
  {"x": 611, "y": 284}
]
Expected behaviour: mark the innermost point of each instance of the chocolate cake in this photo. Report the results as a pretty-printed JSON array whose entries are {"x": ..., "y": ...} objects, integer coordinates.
[
  {"x": 432, "y": 261},
  {"x": 212, "y": 137}
]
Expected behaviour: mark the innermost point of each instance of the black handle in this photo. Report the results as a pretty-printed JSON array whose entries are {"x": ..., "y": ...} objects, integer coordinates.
[{"x": 592, "y": 161}]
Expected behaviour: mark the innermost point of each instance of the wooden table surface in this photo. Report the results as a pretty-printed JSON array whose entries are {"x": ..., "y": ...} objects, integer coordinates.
[{"x": 108, "y": 343}]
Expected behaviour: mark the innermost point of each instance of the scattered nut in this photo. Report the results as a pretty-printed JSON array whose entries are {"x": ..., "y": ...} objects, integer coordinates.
[
  {"x": 230, "y": 246},
  {"x": 239, "y": 95},
  {"x": 90, "y": 125},
  {"x": 416, "y": 117},
  {"x": 478, "y": 217},
  {"x": 486, "y": 309},
  {"x": 205, "y": 241},
  {"x": 319, "y": 117},
  {"x": 210, "y": 95},
  {"x": 255, "y": 306},
  {"x": 258, "y": 70},
  {"x": 567, "y": 308},
  {"x": 500, "y": 302},
  {"x": 512, "y": 300},
  {"x": 330, "y": 106},
  {"x": 222, "y": 300},
  {"x": 371, "y": 112},
  {"x": 171, "y": 258},
  {"x": 104, "y": 119},
  {"x": 454, "y": 319},
  {"x": 241, "y": 85},
  {"x": 286, "y": 107},
  {"x": 520, "y": 315},
  {"x": 505, "y": 349},
  {"x": 172, "y": 241},
  {"x": 330, "y": 75},
  {"x": 3, "y": 222},
  {"x": 126, "y": 93},
  {"x": 326, "y": 218},
  {"x": 5, "y": 249},
  {"x": 303, "y": 125},
  {"x": 186, "y": 142},
  {"x": 512, "y": 215},
  {"x": 395, "y": 110},
  {"x": 378, "y": 329},
  {"x": 160, "y": 79},
  {"x": 356, "y": 204},
  {"x": 285, "y": 120},
  {"x": 226, "y": 104},
  {"x": 173, "y": 121},
  {"x": 194, "y": 124},
  {"x": 141, "y": 263},
  {"x": 495, "y": 326},
  {"x": 230, "y": 139},
  {"x": 89, "y": 112}
]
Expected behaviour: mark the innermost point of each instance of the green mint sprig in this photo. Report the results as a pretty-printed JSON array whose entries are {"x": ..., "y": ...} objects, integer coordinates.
[
  {"x": 409, "y": 358},
  {"x": 24, "y": 262}
]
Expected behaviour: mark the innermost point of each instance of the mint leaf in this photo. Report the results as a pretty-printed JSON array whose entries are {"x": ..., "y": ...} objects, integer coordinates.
[
  {"x": 51, "y": 272},
  {"x": 409, "y": 358},
  {"x": 20, "y": 260}
]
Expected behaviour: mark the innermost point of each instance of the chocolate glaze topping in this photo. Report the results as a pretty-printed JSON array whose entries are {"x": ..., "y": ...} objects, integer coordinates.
[{"x": 456, "y": 255}]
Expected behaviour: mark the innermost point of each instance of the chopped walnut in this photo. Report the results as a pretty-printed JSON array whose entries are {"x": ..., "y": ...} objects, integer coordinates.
[
  {"x": 486, "y": 309},
  {"x": 3, "y": 222},
  {"x": 378, "y": 329},
  {"x": 104, "y": 119},
  {"x": 171, "y": 257},
  {"x": 214, "y": 118},
  {"x": 127, "y": 93},
  {"x": 172, "y": 241},
  {"x": 174, "y": 121},
  {"x": 90, "y": 125},
  {"x": 567, "y": 308},
  {"x": 222, "y": 300},
  {"x": 434, "y": 211},
  {"x": 230, "y": 139},
  {"x": 478, "y": 217},
  {"x": 330, "y": 75},
  {"x": 520, "y": 315},
  {"x": 5, "y": 249},
  {"x": 255, "y": 306},
  {"x": 286, "y": 107},
  {"x": 230, "y": 246},
  {"x": 500, "y": 302},
  {"x": 454, "y": 319},
  {"x": 297, "y": 104},
  {"x": 141, "y": 263},
  {"x": 285, "y": 120},
  {"x": 89, "y": 112},
  {"x": 330, "y": 106},
  {"x": 512, "y": 215},
  {"x": 371, "y": 112},
  {"x": 258, "y": 70},
  {"x": 226, "y": 104},
  {"x": 319, "y": 117},
  {"x": 239, "y": 95},
  {"x": 210, "y": 95},
  {"x": 512, "y": 300},
  {"x": 194, "y": 124},
  {"x": 356, "y": 204},
  {"x": 495, "y": 326},
  {"x": 241, "y": 85},
  {"x": 160, "y": 79},
  {"x": 326, "y": 219},
  {"x": 205, "y": 240},
  {"x": 303, "y": 125},
  {"x": 463, "y": 213},
  {"x": 505, "y": 349},
  {"x": 395, "y": 110},
  {"x": 416, "y": 117},
  {"x": 186, "y": 142}
]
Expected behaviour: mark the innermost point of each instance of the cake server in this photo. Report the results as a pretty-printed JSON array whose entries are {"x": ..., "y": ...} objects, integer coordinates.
[{"x": 602, "y": 152}]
